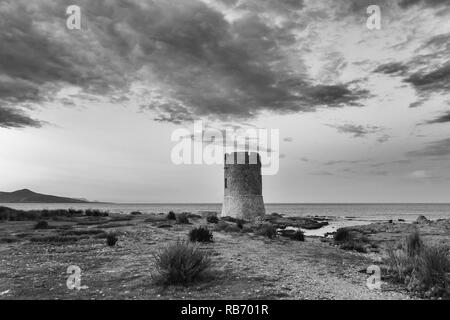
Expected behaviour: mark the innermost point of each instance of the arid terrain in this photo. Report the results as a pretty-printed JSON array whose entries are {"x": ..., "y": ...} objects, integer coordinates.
[{"x": 246, "y": 265}]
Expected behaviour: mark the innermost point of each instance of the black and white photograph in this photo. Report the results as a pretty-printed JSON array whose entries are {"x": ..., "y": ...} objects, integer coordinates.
[{"x": 225, "y": 150}]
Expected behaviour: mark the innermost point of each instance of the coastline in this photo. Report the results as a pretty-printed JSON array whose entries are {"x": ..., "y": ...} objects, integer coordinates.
[{"x": 246, "y": 265}]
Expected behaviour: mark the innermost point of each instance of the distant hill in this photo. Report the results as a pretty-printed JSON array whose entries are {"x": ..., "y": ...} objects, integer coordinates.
[{"x": 28, "y": 196}]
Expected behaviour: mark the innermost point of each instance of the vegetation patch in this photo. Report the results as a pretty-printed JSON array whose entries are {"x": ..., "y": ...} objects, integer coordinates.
[
  {"x": 171, "y": 216},
  {"x": 200, "y": 234},
  {"x": 111, "y": 239},
  {"x": 54, "y": 239},
  {"x": 267, "y": 231},
  {"x": 181, "y": 263},
  {"x": 212, "y": 218},
  {"x": 41, "y": 225},
  {"x": 182, "y": 218},
  {"x": 425, "y": 270}
]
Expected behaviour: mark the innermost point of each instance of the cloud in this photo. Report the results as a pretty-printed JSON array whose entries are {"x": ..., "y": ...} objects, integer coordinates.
[
  {"x": 438, "y": 148},
  {"x": 437, "y": 80},
  {"x": 14, "y": 118},
  {"x": 193, "y": 59},
  {"x": 333, "y": 162},
  {"x": 441, "y": 119},
  {"x": 393, "y": 162},
  {"x": 357, "y": 131},
  {"x": 391, "y": 68}
]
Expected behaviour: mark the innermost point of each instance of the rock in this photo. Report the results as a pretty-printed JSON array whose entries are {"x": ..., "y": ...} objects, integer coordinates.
[
  {"x": 135, "y": 213},
  {"x": 422, "y": 219},
  {"x": 297, "y": 222}
]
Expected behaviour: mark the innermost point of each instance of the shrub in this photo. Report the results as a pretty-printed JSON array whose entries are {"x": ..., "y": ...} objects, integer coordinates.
[
  {"x": 111, "y": 239},
  {"x": 171, "y": 216},
  {"x": 425, "y": 270},
  {"x": 95, "y": 213},
  {"x": 414, "y": 244},
  {"x": 226, "y": 227},
  {"x": 41, "y": 225},
  {"x": 182, "y": 218},
  {"x": 433, "y": 271},
  {"x": 342, "y": 235},
  {"x": 55, "y": 239},
  {"x": 181, "y": 263},
  {"x": 399, "y": 263},
  {"x": 267, "y": 231},
  {"x": 212, "y": 218},
  {"x": 354, "y": 246},
  {"x": 298, "y": 235},
  {"x": 200, "y": 234}
]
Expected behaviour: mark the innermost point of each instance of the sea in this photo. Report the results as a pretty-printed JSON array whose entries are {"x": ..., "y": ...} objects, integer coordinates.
[{"x": 339, "y": 215}]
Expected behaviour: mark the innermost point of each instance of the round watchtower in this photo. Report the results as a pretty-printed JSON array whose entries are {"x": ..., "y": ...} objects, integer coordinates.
[{"x": 243, "y": 186}]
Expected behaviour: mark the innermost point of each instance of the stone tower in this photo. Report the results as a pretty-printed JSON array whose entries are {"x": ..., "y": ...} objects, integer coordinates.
[{"x": 243, "y": 186}]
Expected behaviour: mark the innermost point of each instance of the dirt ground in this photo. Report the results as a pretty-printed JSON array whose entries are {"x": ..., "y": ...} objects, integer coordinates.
[{"x": 246, "y": 266}]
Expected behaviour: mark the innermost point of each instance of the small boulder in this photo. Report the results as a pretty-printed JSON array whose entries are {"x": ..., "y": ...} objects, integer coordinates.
[{"x": 422, "y": 219}]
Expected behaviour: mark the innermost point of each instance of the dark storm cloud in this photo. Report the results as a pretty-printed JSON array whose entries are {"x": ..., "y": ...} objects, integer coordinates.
[
  {"x": 357, "y": 131},
  {"x": 441, "y": 119},
  {"x": 434, "y": 149},
  {"x": 198, "y": 63},
  {"x": 432, "y": 81},
  {"x": 14, "y": 118},
  {"x": 428, "y": 71}
]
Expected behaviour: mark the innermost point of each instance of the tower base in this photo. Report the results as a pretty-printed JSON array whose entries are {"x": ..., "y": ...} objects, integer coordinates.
[{"x": 247, "y": 207}]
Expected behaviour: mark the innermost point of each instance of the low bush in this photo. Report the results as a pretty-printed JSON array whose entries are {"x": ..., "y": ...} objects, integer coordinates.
[
  {"x": 433, "y": 271},
  {"x": 181, "y": 263},
  {"x": 354, "y": 246},
  {"x": 200, "y": 234},
  {"x": 298, "y": 235},
  {"x": 425, "y": 270},
  {"x": 267, "y": 231},
  {"x": 182, "y": 218},
  {"x": 343, "y": 235},
  {"x": 41, "y": 225},
  {"x": 226, "y": 227},
  {"x": 95, "y": 213},
  {"x": 111, "y": 239},
  {"x": 212, "y": 218},
  {"x": 171, "y": 216},
  {"x": 414, "y": 244}
]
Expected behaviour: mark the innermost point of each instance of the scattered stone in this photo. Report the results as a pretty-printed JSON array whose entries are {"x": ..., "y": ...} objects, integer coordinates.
[{"x": 422, "y": 219}]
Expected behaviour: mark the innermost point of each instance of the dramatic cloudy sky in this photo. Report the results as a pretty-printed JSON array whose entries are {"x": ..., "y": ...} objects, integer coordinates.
[{"x": 364, "y": 115}]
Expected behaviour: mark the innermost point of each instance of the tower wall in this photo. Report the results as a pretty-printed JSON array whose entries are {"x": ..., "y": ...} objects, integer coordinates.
[{"x": 242, "y": 186}]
